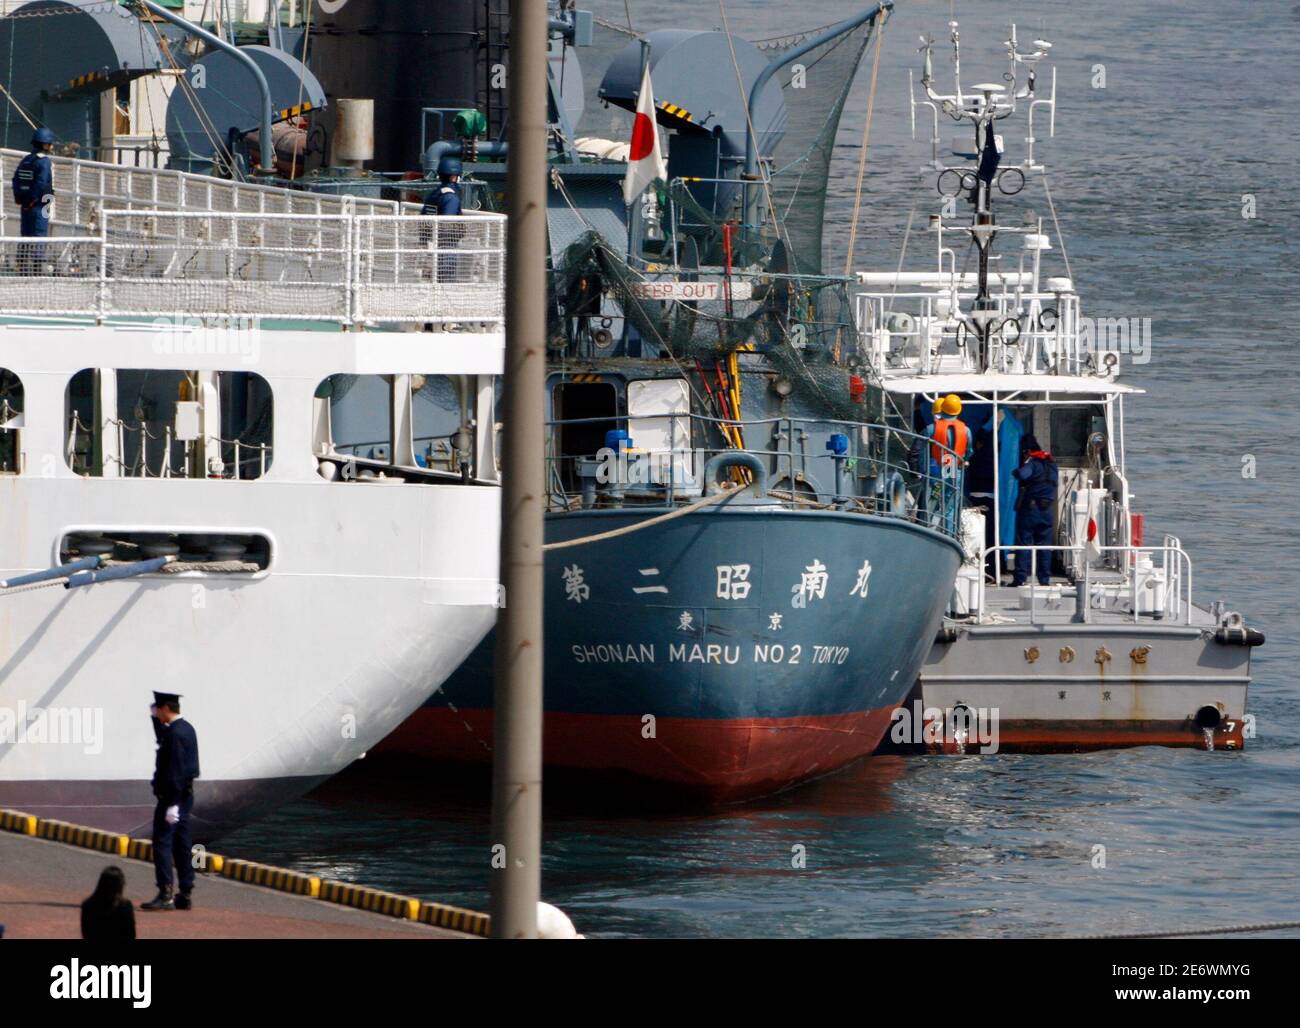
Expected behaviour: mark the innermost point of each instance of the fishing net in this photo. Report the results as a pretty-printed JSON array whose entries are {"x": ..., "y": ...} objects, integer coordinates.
[
  {"x": 782, "y": 307},
  {"x": 816, "y": 86},
  {"x": 797, "y": 321}
]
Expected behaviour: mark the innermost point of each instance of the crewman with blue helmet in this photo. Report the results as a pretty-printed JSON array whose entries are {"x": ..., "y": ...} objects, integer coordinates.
[
  {"x": 445, "y": 200},
  {"x": 33, "y": 186}
]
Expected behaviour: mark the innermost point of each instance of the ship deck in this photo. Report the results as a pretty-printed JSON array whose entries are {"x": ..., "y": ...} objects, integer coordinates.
[{"x": 1002, "y": 607}]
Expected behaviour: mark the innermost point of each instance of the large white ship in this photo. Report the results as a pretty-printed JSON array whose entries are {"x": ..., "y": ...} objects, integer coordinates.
[{"x": 173, "y": 513}]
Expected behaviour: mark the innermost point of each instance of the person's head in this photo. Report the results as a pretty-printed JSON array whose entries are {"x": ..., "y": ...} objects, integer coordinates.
[
  {"x": 167, "y": 706},
  {"x": 952, "y": 405},
  {"x": 43, "y": 140},
  {"x": 449, "y": 169},
  {"x": 111, "y": 886},
  {"x": 937, "y": 408},
  {"x": 1028, "y": 445}
]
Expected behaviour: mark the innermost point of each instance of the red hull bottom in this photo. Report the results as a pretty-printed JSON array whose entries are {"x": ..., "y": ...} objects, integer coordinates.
[
  {"x": 713, "y": 760},
  {"x": 1073, "y": 736}
]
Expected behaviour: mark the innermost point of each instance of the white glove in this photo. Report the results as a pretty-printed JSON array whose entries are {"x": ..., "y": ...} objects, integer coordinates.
[{"x": 173, "y": 814}]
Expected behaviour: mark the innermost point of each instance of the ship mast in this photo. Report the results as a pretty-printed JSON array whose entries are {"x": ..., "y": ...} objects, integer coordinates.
[{"x": 983, "y": 106}]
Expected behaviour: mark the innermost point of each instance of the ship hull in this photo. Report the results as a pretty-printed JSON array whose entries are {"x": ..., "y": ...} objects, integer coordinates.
[
  {"x": 288, "y": 676},
  {"x": 707, "y": 655},
  {"x": 1073, "y": 688}
]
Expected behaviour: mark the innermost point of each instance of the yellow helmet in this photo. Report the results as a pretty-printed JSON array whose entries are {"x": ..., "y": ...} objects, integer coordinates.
[
  {"x": 938, "y": 405},
  {"x": 951, "y": 405}
]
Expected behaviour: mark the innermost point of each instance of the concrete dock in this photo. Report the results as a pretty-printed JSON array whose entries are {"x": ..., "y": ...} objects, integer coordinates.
[{"x": 42, "y": 884}]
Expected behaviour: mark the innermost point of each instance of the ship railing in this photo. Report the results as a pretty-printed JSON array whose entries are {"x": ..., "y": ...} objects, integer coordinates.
[
  {"x": 352, "y": 269},
  {"x": 239, "y": 458},
  {"x": 438, "y": 451},
  {"x": 1030, "y": 332},
  {"x": 1156, "y": 580},
  {"x": 84, "y": 190},
  {"x": 872, "y": 469},
  {"x": 688, "y": 214}
]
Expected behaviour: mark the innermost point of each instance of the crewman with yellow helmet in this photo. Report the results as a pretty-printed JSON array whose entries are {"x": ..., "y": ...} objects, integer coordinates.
[
  {"x": 950, "y": 431},
  {"x": 951, "y": 442}
]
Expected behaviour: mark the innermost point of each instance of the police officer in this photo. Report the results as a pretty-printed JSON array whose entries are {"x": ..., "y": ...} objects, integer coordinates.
[
  {"x": 33, "y": 186},
  {"x": 1035, "y": 510},
  {"x": 175, "y": 768}
]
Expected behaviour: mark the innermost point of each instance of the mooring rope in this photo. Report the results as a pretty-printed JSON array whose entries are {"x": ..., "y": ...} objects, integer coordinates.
[
  {"x": 728, "y": 490},
  {"x": 14, "y": 590}
]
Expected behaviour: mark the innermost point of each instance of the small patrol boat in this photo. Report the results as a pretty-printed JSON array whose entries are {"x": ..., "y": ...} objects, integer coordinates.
[
  {"x": 743, "y": 571},
  {"x": 1099, "y": 642},
  {"x": 175, "y": 512}
]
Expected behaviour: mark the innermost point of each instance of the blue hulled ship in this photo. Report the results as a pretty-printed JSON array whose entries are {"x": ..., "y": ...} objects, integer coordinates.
[{"x": 748, "y": 554}]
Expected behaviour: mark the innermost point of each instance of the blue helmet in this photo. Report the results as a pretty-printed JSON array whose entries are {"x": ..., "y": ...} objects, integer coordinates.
[
  {"x": 43, "y": 137},
  {"x": 449, "y": 166}
]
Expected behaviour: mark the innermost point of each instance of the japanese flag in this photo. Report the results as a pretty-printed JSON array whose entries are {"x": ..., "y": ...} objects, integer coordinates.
[{"x": 645, "y": 162}]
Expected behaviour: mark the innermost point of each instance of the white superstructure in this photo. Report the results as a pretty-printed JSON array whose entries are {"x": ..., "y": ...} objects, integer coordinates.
[{"x": 168, "y": 368}]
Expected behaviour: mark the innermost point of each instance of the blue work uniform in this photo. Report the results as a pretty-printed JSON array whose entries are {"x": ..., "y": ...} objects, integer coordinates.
[
  {"x": 175, "y": 768},
  {"x": 1035, "y": 516},
  {"x": 33, "y": 186},
  {"x": 445, "y": 200}
]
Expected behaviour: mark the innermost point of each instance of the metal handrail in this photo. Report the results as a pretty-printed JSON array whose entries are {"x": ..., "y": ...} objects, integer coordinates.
[
  {"x": 1175, "y": 568},
  {"x": 1036, "y": 349},
  {"x": 929, "y": 498},
  {"x": 352, "y": 269}
]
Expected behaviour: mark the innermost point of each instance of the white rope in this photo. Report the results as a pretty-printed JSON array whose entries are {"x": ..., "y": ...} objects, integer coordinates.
[
  {"x": 302, "y": 88},
  {"x": 728, "y": 490},
  {"x": 17, "y": 107},
  {"x": 32, "y": 587},
  {"x": 862, "y": 157},
  {"x": 1057, "y": 225}
]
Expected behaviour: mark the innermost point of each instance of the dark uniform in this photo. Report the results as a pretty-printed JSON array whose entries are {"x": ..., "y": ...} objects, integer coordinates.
[
  {"x": 175, "y": 768},
  {"x": 445, "y": 202},
  {"x": 33, "y": 186},
  {"x": 1035, "y": 510}
]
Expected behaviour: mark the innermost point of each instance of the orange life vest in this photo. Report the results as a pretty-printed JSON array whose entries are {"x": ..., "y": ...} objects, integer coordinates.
[{"x": 959, "y": 442}]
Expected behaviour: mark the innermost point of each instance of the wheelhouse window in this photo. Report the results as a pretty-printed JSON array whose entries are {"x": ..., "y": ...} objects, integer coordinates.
[
  {"x": 1071, "y": 429},
  {"x": 169, "y": 424}
]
